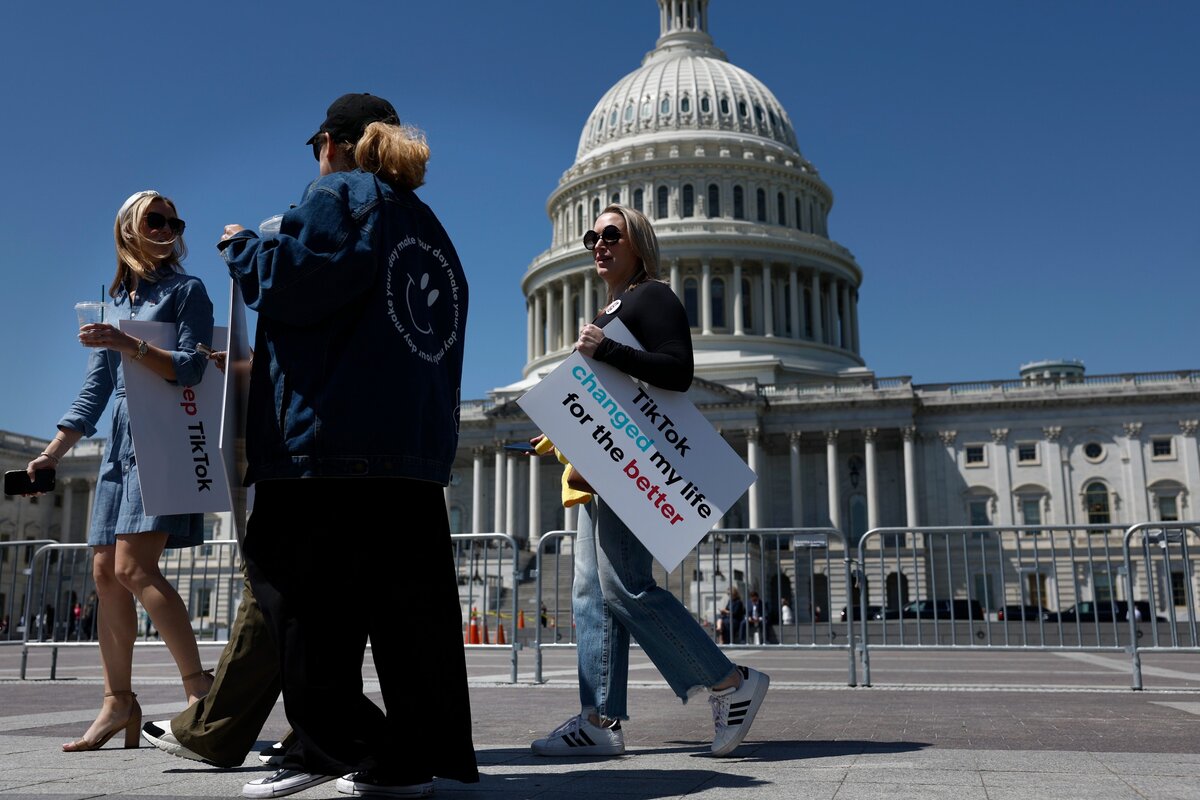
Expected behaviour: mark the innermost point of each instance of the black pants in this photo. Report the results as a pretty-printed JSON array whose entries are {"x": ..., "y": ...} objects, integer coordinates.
[{"x": 333, "y": 562}]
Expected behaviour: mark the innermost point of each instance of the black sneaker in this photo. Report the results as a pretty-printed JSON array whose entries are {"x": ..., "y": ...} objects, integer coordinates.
[
  {"x": 364, "y": 784},
  {"x": 283, "y": 782}
]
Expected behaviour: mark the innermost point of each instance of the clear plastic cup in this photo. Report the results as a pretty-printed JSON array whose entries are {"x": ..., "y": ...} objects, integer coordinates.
[
  {"x": 90, "y": 312},
  {"x": 270, "y": 225}
]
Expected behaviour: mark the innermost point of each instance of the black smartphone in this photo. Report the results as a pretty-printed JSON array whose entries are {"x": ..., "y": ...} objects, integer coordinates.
[
  {"x": 521, "y": 447},
  {"x": 16, "y": 482}
]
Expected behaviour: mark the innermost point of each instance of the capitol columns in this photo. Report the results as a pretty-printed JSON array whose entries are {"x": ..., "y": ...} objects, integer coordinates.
[
  {"x": 706, "y": 296},
  {"x": 753, "y": 460},
  {"x": 872, "y": 466},
  {"x": 539, "y": 325},
  {"x": 1002, "y": 472},
  {"x": 589, "y": 296},
  {"x": 510, "y": 495},
  {"x": 1135, "y": 470},
  {"x": 498, "y": 507},
  {"x": 739, "y": 319},
  {"x": 767, "y": 306},
  {"x": 1054, "y": 473},
  {"x": 814, "y": 305},
  {"x": 676, "y": 280},
  {"x": 794, "y": 300},
  {"x": 535, "y": 502},
  {"x": 797, "y": 484},
  {"x": 909, "y": 432},
  {"x": 68, "y": 492},
  {"x": 477, "y": 491},
  {"x": 831, "y": 472},
  {"x": 1191, "y": 461},
  {"x": 569, "y": 332}
]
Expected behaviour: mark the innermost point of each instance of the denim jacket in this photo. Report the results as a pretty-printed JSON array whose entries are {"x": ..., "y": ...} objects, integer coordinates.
[
  {"x": 362, "y": 308},
  {"x": 176, "y": 298}
]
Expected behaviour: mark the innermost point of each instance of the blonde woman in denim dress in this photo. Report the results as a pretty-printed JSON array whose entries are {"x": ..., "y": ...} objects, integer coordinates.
[{"x": 149, "y": 285}]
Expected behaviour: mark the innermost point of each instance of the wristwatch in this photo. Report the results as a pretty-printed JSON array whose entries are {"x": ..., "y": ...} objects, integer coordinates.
[{"x": 141, "y": 351}]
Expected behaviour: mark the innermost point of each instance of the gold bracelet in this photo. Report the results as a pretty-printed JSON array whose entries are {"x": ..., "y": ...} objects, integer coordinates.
[
  {"x": 53, "y": 458},
  {"x": 141, "y": 350}
]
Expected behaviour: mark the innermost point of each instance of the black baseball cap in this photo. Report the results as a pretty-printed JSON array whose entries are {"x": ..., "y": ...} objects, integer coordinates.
[{"x": 350, "y": 114}]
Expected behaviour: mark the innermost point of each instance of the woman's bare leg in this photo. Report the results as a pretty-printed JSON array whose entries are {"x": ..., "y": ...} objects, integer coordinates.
[
  {"x": 116, "y": 631},
  {"x": 137, "y": 569}
]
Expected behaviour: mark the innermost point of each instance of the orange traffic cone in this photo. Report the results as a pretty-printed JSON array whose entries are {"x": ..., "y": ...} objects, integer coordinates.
[
  {"x": 500, "y": 633},
  {"x": 473, "y": 629},
  {"x": 521, "y": 620},
  {"x": 483, "y": 632}
]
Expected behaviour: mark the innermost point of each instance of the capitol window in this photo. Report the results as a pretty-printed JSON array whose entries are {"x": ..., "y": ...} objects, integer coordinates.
[
  {"x": 714, "y": 200},
  {"x": 760, "y": 197},
  {"x": 975, "y": 455},
  {"x": 1161, "y": 448},
  {"x": 691, "y": 302},
  {"x": 629, "y": 113},
  {"x": 616, "y": 198},
  {"x": 1094, "y": 452},
  {"x": 637, "y": 199},
  {"x": 660, "y": 211},
  {"x": 742, "y": 108},
  {"x": 665, "y": 106},
  {"x": 739, "y": 203},
  {"x": 646, "y": 108},
  {"x": 758, "y": 114},
  {"x": 725, "y": 106},
  {"x": 781, "y": 209},
  {"x": 685, "y": 105},
  {"x": 705, "y": 105},
  {"x": 717, "y": 295},
  {"x": 612, "y": 119},
  {"x": 799, "y": 216},
  {"x": 689, "y": 200},
  {"x": 1027, "y": 453},
  {"x": 1095, "y": 502}
]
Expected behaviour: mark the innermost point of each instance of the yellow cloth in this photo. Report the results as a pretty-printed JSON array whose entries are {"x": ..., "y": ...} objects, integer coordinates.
[{"x": 570, "y": 496}]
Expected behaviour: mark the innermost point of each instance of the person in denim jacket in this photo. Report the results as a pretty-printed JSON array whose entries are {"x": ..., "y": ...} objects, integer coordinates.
[
  {"x": 351, "y": 434},
  {"x": 149, "y": 285}
]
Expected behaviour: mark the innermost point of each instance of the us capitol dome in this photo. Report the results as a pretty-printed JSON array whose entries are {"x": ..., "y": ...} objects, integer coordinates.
[{"x": 705, "y": 150}]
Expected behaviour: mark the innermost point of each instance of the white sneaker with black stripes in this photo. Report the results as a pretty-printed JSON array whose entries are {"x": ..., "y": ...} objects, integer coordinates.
[
  {"x": 734, "y": 709},
  {"x": 579, "y": 737}
]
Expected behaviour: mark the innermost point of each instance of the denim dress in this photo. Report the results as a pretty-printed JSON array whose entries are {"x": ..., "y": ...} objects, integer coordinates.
[{"x": 182, "y": 300}]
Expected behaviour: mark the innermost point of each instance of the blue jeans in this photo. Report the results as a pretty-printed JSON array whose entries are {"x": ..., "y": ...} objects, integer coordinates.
[{"x": 614, "y": 597}]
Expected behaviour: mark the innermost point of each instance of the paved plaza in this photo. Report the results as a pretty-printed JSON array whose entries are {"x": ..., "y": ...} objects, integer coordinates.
[{"x": 933, "y": 725}]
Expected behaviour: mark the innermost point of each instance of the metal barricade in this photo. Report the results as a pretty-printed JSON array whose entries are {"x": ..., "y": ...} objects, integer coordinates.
[
  {"x": 807, "y": 569},
  {"x": 208, "y": 578},
  {"x": 1029, "y": 588},
  {"x": 1168, "y": 555},
  {"x": 480, "y": 560},
  {"x": 15, "y": 572}
]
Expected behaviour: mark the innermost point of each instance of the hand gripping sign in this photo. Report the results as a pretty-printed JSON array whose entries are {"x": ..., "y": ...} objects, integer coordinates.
[{"x": 648, "y": 452}]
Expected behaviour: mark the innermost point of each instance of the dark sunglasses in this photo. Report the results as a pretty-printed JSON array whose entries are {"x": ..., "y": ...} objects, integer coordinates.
[
  {"x": 156, "y": 222},
  {"x": 611, "y": 235},
  {"x": 317, "y": 143}
]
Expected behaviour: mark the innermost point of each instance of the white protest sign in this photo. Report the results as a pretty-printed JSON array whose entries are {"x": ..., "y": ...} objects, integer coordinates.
[
  {"x": 648, "y": 452},
  {"x": 175, "y": 430},
  {"x": 232, "y": 441}
]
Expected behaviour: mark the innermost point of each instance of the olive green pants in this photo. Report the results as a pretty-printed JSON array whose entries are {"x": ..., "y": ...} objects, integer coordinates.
[{"x": 224, "y": 726}]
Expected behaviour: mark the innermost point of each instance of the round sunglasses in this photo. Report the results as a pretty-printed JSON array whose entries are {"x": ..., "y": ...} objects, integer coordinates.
[
  {"x": 611, "y": 235},
  {"x": 156, "y": 222}
]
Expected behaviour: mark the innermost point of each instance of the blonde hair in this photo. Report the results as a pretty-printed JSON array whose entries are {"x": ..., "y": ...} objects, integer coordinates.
[
  {"x": 643, "y": 240},
  {"x": 396, "y": 153},
  {"x": 133, "y": 249}
]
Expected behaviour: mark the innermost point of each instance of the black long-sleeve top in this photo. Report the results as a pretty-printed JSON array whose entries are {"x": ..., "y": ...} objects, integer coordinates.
[{"x": 655, "y": 316}]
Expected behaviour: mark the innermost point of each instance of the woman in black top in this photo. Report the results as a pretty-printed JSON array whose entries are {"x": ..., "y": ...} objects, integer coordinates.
[{"x": 614, "y": 592}]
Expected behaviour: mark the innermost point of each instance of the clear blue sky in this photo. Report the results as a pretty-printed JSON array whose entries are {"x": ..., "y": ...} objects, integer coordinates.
[{"x": 1018, "y": 180}]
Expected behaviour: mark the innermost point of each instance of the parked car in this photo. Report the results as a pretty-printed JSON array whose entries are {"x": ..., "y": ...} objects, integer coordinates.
[
  {"x": 873, "y": 612},
  {"x": 941, "y": 610},
  {"x": 1020, "y": 613},
  {"x": 1104, "y": 611}
]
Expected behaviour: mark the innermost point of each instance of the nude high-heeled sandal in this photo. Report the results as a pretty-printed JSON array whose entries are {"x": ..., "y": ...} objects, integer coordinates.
[{"x": 132, "y": 727}]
